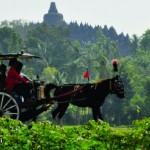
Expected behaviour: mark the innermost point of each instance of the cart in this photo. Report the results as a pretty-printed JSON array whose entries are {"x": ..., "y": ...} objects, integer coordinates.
[{"x": 13, "y": 105}]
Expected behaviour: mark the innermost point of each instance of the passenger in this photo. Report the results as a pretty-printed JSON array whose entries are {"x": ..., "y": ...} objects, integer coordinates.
[
  {"x": 3, "y": 70},
  {"x": 19, "y": 68},
  {"x": 12, "y": 61},
  {"x": 15, "y": 82}
]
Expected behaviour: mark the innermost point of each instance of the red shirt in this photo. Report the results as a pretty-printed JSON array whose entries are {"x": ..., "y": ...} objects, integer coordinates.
[{"x": 13, "y": 77}]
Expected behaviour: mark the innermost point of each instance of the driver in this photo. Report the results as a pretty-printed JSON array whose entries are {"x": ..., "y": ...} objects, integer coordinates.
[{"x": 15, "y": 82}]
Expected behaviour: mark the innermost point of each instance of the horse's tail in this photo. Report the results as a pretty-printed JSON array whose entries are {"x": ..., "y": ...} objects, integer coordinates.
[{"x": 48, "y": 88}]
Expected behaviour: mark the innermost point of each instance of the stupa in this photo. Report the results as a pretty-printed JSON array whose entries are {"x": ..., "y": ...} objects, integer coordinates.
[{"x": 53, "y": 17}]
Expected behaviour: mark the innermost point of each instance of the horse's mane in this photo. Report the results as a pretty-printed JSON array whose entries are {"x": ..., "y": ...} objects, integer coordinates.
[
  {"x": 101, "y": 81},
  {"x": 82, "y": 84}
]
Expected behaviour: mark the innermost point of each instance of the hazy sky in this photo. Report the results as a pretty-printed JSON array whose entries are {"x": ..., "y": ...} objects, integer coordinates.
[{"x": 127, "y": 16}]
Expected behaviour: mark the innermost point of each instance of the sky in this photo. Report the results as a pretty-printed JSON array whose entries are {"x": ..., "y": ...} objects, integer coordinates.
[{"x": 127, "y": 16}]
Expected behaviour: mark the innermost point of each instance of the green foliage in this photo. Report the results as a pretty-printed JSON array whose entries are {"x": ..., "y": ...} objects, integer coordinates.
[
  {"x": 10, "y": 41},
  {"x": 49, "y": 74},
  {"x": 94, "y": 135},
  {"x": 135, "y": 71},
  {"x": 145, "y": 41}
]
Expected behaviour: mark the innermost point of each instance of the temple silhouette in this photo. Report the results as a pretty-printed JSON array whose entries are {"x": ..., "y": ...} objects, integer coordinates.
[
  {"x": 85, "y": 33},
  {"x": 53, "y": 17}
]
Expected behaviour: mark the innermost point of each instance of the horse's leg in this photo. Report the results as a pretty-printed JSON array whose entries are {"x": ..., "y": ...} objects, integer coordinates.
[
  {"x": 62, "y": 110},
  {"x": 54, "y": 114},
  {"x": 35, "y": 114},
  {"x": 94, "y": 110},
  {"x": 97, "y": 113},
  {"x": 60, "y": 122},
  {"x": 59, "y": 112}
]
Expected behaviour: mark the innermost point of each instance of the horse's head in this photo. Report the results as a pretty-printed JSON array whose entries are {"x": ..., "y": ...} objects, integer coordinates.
[{"x": 116, "y": 86}]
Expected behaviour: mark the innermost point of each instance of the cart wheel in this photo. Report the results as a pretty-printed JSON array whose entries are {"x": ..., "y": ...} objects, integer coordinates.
[{"x": 8, "y": 106}]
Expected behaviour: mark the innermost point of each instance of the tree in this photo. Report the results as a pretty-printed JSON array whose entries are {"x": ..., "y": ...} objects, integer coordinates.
[
  {"x": 10, "y": 41},
  {"x": 134, "y": 44},
  {"x": 52, "y": 75},
  {"x": 145, "y": 41}
]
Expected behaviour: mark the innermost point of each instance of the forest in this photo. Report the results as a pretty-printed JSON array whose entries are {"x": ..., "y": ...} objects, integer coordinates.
[{"x": 66, "y": 57}]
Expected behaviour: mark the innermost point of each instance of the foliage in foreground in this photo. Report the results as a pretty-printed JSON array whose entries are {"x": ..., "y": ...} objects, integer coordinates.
[{"x": 94, "y": 135}]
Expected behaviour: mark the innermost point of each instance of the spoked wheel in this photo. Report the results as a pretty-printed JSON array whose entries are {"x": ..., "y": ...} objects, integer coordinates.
[{"x": 8, "y": 106}]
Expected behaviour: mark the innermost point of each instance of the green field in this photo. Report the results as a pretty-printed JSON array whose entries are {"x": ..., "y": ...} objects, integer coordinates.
[{"x": 92, "y": 136}]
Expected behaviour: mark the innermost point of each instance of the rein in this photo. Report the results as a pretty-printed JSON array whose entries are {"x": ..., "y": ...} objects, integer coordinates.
[
  {"x": 72, "y": 101},
  {"x": 68, "y": 93},
  {"x": 78, "y": 90},
  {"x": 110, "y": 86}
]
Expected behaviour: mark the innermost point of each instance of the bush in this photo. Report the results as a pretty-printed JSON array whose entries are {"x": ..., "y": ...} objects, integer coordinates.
[{"x": 94, "y": 135}]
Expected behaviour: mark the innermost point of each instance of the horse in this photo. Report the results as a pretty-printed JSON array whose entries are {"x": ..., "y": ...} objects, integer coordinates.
[{"x": 90, "y": 95}]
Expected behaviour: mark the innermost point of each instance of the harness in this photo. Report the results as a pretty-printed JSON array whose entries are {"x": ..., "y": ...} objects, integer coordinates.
[
  {"x": 110, "y": 87},
  {"x": 72, "y": 100},
  {"x": 78, "y": 89},
  {"x": 68, "y": 93}
]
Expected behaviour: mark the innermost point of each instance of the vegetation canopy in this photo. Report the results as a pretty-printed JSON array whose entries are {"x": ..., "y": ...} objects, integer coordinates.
[{"x": 93, "y": 135}]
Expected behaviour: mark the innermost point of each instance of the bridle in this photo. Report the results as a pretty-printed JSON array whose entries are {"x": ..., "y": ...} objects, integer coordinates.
[
  {"x": 114, "y": 87},
  {"x": 110, "y": 86}
]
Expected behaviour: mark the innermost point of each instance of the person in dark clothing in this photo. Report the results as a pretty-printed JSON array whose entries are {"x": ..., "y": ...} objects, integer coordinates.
[
  {"x": 15, "y": 82},
  {"x": 3, "y": 70},
  {"x": 12, "y": 61},
  {"x": 19, "y": 66}
]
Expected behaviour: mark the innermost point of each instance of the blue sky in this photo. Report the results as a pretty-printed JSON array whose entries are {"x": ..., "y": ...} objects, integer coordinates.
[{"x": 127, "y": 16}]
